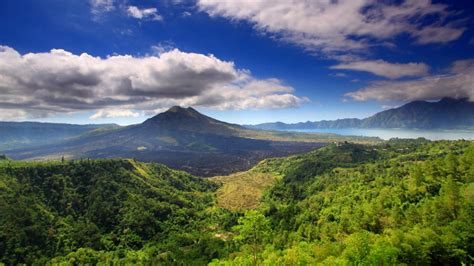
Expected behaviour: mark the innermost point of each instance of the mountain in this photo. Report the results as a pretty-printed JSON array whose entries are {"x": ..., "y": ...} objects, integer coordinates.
[
  {"x": 339, "y": 123},
  {"x": 188, "y": 119},
  {"x": 28, "y": 134},
  {"x": 447, "y": 113},
  {"x": 181, "y": 138}
]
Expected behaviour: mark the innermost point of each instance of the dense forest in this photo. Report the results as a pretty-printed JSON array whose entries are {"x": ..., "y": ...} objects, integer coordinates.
[
  {"x": 405, "y": 202},
  {"x": 101, "y": 210}
]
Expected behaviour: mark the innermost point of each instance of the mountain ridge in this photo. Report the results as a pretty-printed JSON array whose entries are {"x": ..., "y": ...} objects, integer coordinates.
[
  {"x": 447, "y": 113},
  {"x": 181, "y": 138},
  {"x": 28, "y": 134}
]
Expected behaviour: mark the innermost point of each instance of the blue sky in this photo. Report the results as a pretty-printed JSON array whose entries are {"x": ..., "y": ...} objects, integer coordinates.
[{"x": 238, "y": 61}]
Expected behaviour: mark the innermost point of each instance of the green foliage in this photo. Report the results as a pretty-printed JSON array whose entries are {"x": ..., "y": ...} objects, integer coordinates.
[
  {"x": 253, "y": 230},
  {"x": 86, "y": 210},
  {"x": 402, "y": 202}
]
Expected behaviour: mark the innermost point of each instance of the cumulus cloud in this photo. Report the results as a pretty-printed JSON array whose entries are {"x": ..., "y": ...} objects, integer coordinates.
[
  {"x": 457, "y": 83},
  {"x": 144, "y": 13},
  {"x": 59, "y": 81},
  {"x": 386, "y": 69},
  {"x": 333, "y": 27}
]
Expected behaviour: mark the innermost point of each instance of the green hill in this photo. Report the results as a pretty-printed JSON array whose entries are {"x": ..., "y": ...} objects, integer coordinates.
[
  {"x": 107, "y": 210},
  {"x": 402, "y": 202},
  {"x": 406, "y": 202}
]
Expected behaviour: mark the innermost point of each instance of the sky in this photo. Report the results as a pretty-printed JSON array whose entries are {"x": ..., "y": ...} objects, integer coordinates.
[{"x": 242, "y": 61}]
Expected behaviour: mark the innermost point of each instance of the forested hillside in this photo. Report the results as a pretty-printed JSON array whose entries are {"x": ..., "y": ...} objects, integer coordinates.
[
  {"x": 102, "y": 210},
  {"x": 405, "y": 202}
]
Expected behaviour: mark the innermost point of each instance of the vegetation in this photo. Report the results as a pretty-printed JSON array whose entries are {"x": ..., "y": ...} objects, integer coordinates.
[
  {"x": 104, "y": 210},
  {"x": 403, "y": 202},
  {"x": 242, "y": 191},
  {"x": 408, "y": 202}
]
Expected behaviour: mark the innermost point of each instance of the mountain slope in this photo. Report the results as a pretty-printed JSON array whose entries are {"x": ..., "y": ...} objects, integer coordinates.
[
  {"x": 404, "y": 202},
  {"x": 339, "y": 123},
  {"x": 188, "y": 119},
  {"x": 445, "y": 114},
  {"x": 181, "y": 138},
  {"x": 52, "y": 209},
  {"x": 28, "y": 134}
]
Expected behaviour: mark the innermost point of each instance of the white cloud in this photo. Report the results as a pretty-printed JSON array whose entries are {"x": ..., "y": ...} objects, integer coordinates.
[
  {"x": 42, "y": 84},
  {"x": 12, "y": 115},
  {"x": 99, "y": 6},
  {"x": 457, "y": 83},
  {"x": 334, "y": 27},
  {"x": 112, "y": 113},
  {"x": 144, "y": 13},
  {"x": 386, "y": 69},
  {"x": 429, "y": 35},
  {"x": 162, "y": 47}
]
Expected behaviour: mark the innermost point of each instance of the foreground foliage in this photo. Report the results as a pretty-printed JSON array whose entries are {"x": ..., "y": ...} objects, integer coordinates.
[
  {"x": 103, "y": 210},
  {"x": 404, "y": 202},
  {"x": 408, "y": 202}
]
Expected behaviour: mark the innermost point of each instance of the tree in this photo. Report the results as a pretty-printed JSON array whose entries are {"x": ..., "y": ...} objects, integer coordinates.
[{"x": 254, "y": 229}]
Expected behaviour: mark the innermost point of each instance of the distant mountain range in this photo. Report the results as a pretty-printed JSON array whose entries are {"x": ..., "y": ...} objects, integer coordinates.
[
  {"x": 185, "y": 139},
  {"x": 27, "y": 134},
  {"x": 180, "y": 137},
  {"x": 447, "y": 113}
]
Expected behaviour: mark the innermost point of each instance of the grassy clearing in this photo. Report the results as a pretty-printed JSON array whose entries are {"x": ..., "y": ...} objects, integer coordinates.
[{"x": 242, "y": 191}]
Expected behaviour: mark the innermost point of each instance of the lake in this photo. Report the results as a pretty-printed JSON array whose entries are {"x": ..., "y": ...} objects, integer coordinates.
[{"x": 397, "y": 133}]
